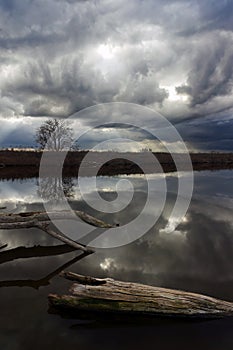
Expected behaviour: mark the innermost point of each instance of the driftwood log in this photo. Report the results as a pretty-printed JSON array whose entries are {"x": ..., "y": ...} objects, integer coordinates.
[
  {"x": 111, "y": 296},
  {"x": 41, "y": 220}
]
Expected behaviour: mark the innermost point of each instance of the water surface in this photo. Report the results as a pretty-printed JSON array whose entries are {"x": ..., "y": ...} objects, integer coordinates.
[{"x": 197, "y": 257}]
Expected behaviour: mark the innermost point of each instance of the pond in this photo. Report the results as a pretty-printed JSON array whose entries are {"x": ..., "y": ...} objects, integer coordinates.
[{"x": 197, "y": 256}]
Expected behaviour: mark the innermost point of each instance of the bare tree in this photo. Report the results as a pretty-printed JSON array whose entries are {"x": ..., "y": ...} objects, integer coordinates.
[
  {"x": 55, "y": 135},
  {"x": 54, "y": 188}
]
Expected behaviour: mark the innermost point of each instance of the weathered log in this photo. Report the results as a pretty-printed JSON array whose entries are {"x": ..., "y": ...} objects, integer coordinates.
[
  {"x": 44, "y": 217},
  {"x": 41, "y": 220},
  {"x": 86, "y": 280},
  {"x": 108, "y": 295}
]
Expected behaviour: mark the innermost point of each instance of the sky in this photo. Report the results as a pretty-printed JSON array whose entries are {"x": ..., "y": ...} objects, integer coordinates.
[{"x": 58, "y": 57}]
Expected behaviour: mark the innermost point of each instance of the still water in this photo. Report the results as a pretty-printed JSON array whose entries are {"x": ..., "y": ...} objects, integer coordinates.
[{"x": 197, "y": 256}]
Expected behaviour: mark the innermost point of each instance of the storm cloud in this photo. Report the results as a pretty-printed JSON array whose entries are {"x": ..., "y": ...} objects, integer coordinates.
[{"x": 58, "y": 57}]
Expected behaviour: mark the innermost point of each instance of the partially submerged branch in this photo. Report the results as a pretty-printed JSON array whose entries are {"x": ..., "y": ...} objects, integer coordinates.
[
  {"x": 87, "y": 280},
  {"x": 47, "y": 216},
  {"x": 63, "y": 238},
  {"x": 41, "y": 220}
]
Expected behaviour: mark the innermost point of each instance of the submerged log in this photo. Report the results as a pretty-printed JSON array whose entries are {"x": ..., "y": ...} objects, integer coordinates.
[
  {"x": 28, "y": 217},
  {"x": 111, "y": 296},
  {"x": 41, "y": 220}
]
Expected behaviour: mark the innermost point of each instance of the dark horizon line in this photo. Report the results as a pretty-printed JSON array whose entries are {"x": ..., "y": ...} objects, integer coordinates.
[{"x": 17, "y": 149}]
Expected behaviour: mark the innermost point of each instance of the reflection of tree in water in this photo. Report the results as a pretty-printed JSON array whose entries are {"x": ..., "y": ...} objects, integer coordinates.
[{"x": 54, "y": 188}]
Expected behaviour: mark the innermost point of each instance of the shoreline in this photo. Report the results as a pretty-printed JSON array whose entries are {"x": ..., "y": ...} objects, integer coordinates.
[{"x": 26, "y": 164}]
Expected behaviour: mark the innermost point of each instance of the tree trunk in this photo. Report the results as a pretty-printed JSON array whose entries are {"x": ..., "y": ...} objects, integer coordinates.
[{"x": 108, "y": 295}]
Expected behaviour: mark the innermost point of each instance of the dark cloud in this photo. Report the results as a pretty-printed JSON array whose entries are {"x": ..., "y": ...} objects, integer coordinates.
[
  {"x": 212, "y": 73},
  {"x": 218, "y": 15},
  {"x": 208, "y": 134},
  {"x": 6, "y": 5},
  {"x": 58, "y": 57}
]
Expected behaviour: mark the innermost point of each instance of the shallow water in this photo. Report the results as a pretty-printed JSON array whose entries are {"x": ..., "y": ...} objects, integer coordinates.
[{"x": 196, "y": 257}]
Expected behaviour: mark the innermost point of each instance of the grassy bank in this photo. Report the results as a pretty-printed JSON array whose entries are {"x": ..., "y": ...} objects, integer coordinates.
[{"x": 23, "y": 164}]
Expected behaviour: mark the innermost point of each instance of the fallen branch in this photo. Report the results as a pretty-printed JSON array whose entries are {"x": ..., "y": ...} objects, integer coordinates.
[
  {"x": 46, "y": 217},
  {"x": 82, "y": 279},
  {"x": 63, "y": 238},
  {"x": 41, "y": 220},
  {"x": 108, "y": 295}
]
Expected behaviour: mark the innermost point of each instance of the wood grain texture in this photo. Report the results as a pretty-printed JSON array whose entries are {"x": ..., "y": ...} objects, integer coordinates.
[{"x": 109, "y": 295}]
